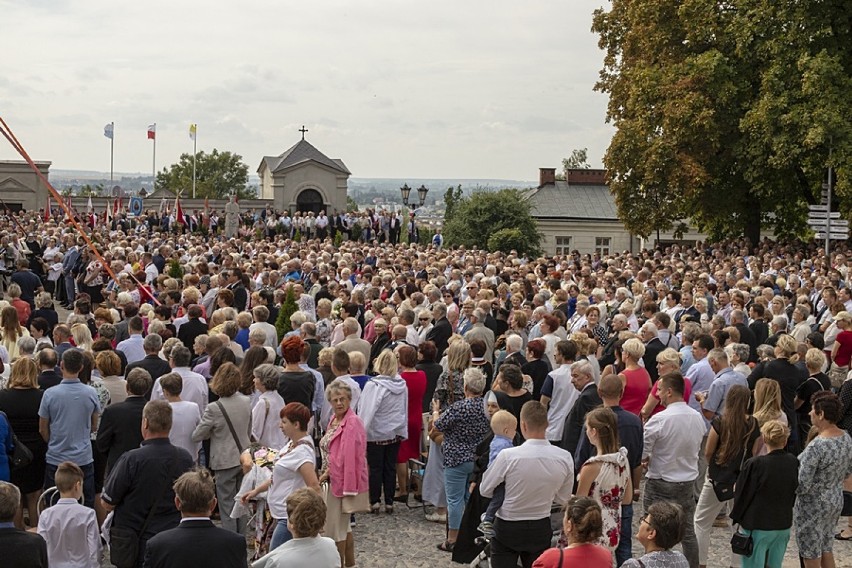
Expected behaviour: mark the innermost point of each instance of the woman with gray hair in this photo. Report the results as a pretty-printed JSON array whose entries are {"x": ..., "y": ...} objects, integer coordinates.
[
  {"x": 738, "y": 357},
  {"x": 264, "y": 423},
  {"x": 464, "y": 425},
  {"x": 344, "y": 459}
]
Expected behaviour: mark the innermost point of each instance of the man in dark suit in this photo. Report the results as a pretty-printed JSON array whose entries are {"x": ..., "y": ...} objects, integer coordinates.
[
  {"x": 152, "y": 363},
  {"x": 441, "y": 329},
  {"x": 746, "y": 334},
  {"x": 583, "y": 381},
  {"x": 758, "y": 326},
  {"x": 235, "y": 284},
  {"x": 18, "y": 548},
  {"x": 653, "y": 347},
  {"x": 193, "y": 328},
  {"x": 309, "y": 336},
  {"x": 196, "y": 541},
  {"x": 48, "y": 377},
  {"x": 120, "y": 428}
]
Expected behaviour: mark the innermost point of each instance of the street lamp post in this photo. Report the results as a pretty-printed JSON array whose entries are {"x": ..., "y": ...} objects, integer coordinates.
[
  {"x": 421, "y": 193},
  {"x": 406, "y": 192}
]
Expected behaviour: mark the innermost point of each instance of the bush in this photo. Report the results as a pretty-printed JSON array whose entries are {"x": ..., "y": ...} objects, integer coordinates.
[
  {"x": 288, "y": 308},
  {"x": 476, "y": 218},
  {"x": 506, "y": 240},
  {"x": 175, "y": 269}
]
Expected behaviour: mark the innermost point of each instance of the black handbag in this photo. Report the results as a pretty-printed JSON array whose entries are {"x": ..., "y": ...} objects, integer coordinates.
[
  {"x": 742, "y": 543},
  {"x": 21, "y": 455},
  {"x": 847, "y": 504}
]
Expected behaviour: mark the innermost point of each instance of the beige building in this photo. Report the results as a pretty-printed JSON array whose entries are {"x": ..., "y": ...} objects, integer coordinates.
[
  {"x": 304, "y": 179},
  {"x": 20, "y": 187},
  {"x": 579, "y": 213}
]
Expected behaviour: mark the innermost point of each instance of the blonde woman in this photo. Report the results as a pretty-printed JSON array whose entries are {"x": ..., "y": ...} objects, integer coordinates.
[
  {"x": 767, "y": 407},
  {"x": 11, "y": 331},
  {"x": 789, "y": 377},
  {"x": 668, "y": 361},
  {"x": 636, "y": 380},
  {"x": 82, "y": 336}
]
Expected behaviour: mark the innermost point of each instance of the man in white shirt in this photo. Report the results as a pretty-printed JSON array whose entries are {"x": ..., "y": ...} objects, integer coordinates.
[
  {"x": 558, "y": 395},
  {"x": 535, "y": 474},
  {"x": 194, "y": 385},
  {"x": 672, "y": 442},
  {"x": 185, "y": 415}
]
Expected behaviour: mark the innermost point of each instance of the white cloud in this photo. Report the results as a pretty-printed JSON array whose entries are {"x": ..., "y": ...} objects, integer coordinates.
[{"x": 394, "y": 88}]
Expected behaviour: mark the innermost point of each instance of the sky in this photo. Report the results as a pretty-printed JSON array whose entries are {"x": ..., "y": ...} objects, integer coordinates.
[{"x": 441, "y": 89}]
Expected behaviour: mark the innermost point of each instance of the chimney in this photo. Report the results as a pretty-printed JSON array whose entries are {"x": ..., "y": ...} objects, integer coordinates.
[
  {"x": 546, "y": 176},
  {"x": 582, "y": 176}
]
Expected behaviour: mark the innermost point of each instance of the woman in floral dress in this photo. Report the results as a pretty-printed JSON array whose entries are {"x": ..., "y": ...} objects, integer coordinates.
[
  {"x": 823, "y": 466},
  {"x": 606, "y": 476}
]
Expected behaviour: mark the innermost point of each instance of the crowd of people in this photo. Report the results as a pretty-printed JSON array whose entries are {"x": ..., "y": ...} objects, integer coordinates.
[{"x": 705, "y": 384}]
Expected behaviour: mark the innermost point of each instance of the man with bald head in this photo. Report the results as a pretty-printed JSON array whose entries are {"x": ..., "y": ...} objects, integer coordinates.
[{"x": 351, "y": 342}]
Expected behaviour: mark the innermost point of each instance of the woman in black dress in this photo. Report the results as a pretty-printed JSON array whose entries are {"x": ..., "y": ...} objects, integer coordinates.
[
  {"x": 426, "y": 354},
  {"x": 20, "y": 401},
  {"x": 537, "y": 366}
]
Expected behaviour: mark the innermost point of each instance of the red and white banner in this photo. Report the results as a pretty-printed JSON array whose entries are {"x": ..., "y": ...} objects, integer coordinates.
[{"x": 152, "y": 131}]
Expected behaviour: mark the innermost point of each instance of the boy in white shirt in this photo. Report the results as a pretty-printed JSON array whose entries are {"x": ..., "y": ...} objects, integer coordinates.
[{"x": 69, "y": 528}]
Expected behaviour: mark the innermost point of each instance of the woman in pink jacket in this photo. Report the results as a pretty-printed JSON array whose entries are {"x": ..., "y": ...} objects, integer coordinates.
[{"x": 344, "y": 458}]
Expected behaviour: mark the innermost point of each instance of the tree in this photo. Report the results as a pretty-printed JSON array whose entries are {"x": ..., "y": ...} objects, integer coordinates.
[
  {"x": 577, "y": 160},
  {"x": 476, "y": 218},
  {"x": 218, "y": 175},
  {"x": 350, "y": 204},
  {"x": 451, "y": 198},
  {"x": 288, "y": 308},
  {"x": 724, "y": 112},
  {"x": 90, "y": 190}
]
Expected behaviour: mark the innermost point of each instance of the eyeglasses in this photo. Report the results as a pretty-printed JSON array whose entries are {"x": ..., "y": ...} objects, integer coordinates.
[{"x": 646, "y": 520}]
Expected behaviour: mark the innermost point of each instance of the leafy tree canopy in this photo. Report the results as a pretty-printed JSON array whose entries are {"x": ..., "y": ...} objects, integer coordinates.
[
  {"x": 484, "y": 214},
  {"x": 218, "y": 175},
  {"x": 451, "y": 198},
  {"x": 726, "y": 113},
  {"x": 579, "y": 159}
]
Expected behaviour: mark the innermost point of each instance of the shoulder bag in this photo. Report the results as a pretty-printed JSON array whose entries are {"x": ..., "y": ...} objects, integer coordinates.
[
  {"x": 725, "y": 477},
  {"x": 742, "y": 543},
  {"x": 21, "y": 455},
  {"x": 124, "y": 541},
  {"x": 231, "y": 427},
  {"x": 434, "y": 434}
]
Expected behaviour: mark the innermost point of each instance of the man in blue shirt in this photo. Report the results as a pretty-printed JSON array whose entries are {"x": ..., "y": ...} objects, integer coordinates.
[
  {"x": 67, "y": 416},
  {"x": 714, "y": 403}
]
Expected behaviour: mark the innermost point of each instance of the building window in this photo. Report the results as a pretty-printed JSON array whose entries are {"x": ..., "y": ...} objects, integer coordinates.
[
  {"x": 563, "y": 245},
  {"x": 602, "y": 245}
]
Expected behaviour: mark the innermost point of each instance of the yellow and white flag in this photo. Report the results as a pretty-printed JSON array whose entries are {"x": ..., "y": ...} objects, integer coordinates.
[{"x": 193, "y": 129}]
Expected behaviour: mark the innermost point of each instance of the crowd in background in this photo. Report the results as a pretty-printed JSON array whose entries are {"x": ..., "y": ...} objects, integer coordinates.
[{"x": 709, "y": 382}]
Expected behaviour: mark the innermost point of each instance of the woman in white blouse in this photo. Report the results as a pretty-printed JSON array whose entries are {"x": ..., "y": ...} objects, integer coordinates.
[{"x": 265, "y": 426}]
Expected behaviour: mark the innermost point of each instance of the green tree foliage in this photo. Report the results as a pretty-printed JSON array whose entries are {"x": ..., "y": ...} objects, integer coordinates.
[
  {"x": 217, "y": 175},
  {"x": 451, "y": 199},
  {"x": 476, "y": 218},
  {"x": 350, "y": 204},
  {"x": 288, "y": 308},
  {"x": 725, "y": 111},
  {"x": 175, "y": 269},
  {"x": 506, "y": 240},
  {"x": 579, "y": 159}
]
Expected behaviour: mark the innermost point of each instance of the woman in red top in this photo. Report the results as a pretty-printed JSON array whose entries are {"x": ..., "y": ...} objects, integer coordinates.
[
  {"x": 841, "y": 353},
  {"x": 583, "y": 526},
  {"x": 637, "y": 381},
  {"x": 410, "y": 448},
  {"x": 668, "y": 361}
]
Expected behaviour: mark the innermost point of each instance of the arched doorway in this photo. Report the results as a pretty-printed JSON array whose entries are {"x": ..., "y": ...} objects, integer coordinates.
[{"x": 309, "y": 200}]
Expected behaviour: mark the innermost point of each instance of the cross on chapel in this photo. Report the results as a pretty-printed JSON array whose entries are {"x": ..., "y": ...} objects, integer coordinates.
[{"x": 303, "y": 130}]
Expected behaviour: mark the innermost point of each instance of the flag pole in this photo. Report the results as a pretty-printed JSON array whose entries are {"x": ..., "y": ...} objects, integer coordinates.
[
  {"x": 194, "y": 153},
  {"x": 154, "y": 163},
  {"x": 111, "y": 152}
]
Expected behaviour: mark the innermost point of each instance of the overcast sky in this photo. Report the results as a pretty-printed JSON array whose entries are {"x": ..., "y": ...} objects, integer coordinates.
[{"x": 440, "y": 89}]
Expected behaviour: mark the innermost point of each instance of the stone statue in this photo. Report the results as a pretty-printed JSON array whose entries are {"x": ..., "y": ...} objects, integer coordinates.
[{"x": 232, "y": 217}]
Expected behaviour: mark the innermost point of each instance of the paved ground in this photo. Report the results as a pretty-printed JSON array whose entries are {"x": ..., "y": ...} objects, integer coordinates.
[{"x": 406, "y": 539}]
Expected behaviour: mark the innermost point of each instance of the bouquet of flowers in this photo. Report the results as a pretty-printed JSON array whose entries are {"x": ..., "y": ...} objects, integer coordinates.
[{"x": 264, "y": 457}]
